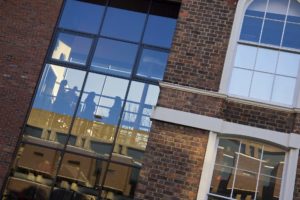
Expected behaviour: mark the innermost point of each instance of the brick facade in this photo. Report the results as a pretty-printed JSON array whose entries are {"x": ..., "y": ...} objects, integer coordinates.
[{"x": 25, "y": 33}]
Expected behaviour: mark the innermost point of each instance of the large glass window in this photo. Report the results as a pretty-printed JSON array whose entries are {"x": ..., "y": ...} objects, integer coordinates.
[
  {"x": 245, "y": 169},
  {"x": 267, "y": 57},
  {"x": 88, "y": 126}
]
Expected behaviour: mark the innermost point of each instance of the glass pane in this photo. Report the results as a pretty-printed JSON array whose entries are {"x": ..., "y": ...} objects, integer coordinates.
[
  {"x": 125, "y": 24},
  {"x": 272, "y": 32},
  {"x": 32, "y": 173},
  {"x": 251, "y": 29},
  {"x": 240, "y": 82},
  {"x": 135, "y": 125},
  {"x": 277, "y": 9},
  {"x": 283, "y": 91},
  {"x": 291, "y": 36},
  {"x": 152, "y": 64},
  {"x": 245, "y": 56},
  {"x": 114, "y": 57},
  {"x": 82, "y": 16},
  {"x": 78, "y": 172},
  {"x": 210, "y": 197},
  {"x": 98, "y": 114},
  {"x": 227, "y": 152},
  {"x": 294, "y": 12},
  {"x": 273, "y": 161},
  {"x": 54, "y": 104},
  {"x": 244, "y": 185},
  {"x": 121, "y": 180},
  {"x": 257, "y": 8},
  {"x": 268, "y": 188},
  {"x": 249, "y": 158},
  {"x": 73, "y": 192},
  {"x": 222, "y": 180},
  {"x": 261, "y": 86},
  {"x": 266, "y": 60},
  {"x": 71, "y": 48},
  {"x": 288, "y": 64}
]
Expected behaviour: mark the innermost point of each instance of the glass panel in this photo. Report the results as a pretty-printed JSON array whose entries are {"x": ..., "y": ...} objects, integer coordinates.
[
  {"x": 245, "y": 56},
  {"x": 54, "y": 105},
  {"x": 73, "y": 192},
  {"x": 32, "y": 173},
  {"x": 152, "y": 64},
  {"x": 222, "y": 180},
  {"x": 210, "y": 197},
  {"x": 249, "y": 160},
  {"x": 294, "y": 12},
  {"x": 257, "y": 8},
  {"x": 272, "y": 32},
  {"x": 277, "y": 9},
  {"x": 266, "y": 60},
  {"x": 240, "y": 82},
  {"x": 78, "y": 172},
  {"x": 251, "y": 29},
  {"x": 227, "y": 152},
  {"x": 121, "y": 180},
  {"x": 125, "y": 24},
  {"x": 70, "y": 48},
  {"x": 283, "y": 90},
  {"x": 82, "y": 16},
  {"x": 162, "y": 17},
  {"x": 244, "y": 185},
  {"x": 291, "y": 36},
  {"x": 135, "y": 125},
  {"x": 98, "y": 114},
  {"x": 261, "y": 86},
  {"x": 114, "y": 57},
  {"x": 288, "y": 64},
  {"x": 273, "y": 161},
  {"x": 268, "y": 188}
]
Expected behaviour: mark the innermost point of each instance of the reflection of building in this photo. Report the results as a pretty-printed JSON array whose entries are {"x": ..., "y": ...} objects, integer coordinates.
[{"x": 222, "y": 123}]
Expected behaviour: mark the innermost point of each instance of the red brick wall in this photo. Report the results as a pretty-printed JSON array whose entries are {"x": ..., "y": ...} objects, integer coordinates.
[
  {"x": 25, "y": 31},
  {"x": 173, "y": 163}
]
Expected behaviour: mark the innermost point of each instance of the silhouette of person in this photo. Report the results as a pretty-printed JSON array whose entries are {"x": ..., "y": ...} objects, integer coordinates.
[
  {"x": 114, "y": 111},
  {"x": 71, "y": 98},
  {"x": 89, "y": 106},
  {"x": 59, "y": 105}
]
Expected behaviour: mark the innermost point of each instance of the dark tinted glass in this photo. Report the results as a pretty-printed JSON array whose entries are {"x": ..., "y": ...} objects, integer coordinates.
[
  {"x": 82, "y": 16},
  {"x": 71, "y": 48},
  {"x": 291, "y": 36},
  {"x": 125, "y": 24},
  {"x": 152, "y": 64},
  {"x": 114, "y": 57},
  {"x": 251, "y": 29},
  {"x": 272, "y": 32}
]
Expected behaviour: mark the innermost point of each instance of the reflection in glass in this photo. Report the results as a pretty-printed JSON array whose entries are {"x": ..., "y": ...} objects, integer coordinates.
[
  {"x": 152, "y": 64},
  {"x": 221, "y": 182},
  {"x": 245, "y": 56},
  {"x": 291, "y": 36},
  {"x": 294, "y": 12},
  {"x": 227, "y": 152},
  {"x": 135, "y": 125},
  {"x": 125, "y": 24},
  {"x": 98, "y": 113},
  {"x": 273, "y": 161},
  {"x": 261, "y": 87},
  {"x": 32, "y": 173},
  {"x": 82, "y": 16},
  {"x": 251, "y": 29},
  {"x": 244, "y": 185},
  {"x": 283, "y": 90},
  {"x": 288, "y": 64},
  {"x": 272, "y": 32},
  {"x": 266, "y": 60},
  {"x": 54, "y": 104},
  {"x": 268, "y": 188},
  {"x": 114, "y": 57},
  {"x": 71, "y": 48},
  {"x": 257, "y": 8},
  {"x": 277, "y": 9},
  {"x": 250, "y": 159},
  {"x": 240, "y": 82}
]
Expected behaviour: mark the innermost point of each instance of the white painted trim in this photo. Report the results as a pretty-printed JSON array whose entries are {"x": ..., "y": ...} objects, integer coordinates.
[
  {"x": 208, "y": 169},
  {"x": 231, "y": 50},
  {"x": 288, "y": 140}
]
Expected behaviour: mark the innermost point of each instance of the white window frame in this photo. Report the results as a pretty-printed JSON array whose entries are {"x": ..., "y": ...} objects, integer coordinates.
[{"x": 230, "y": 57}]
